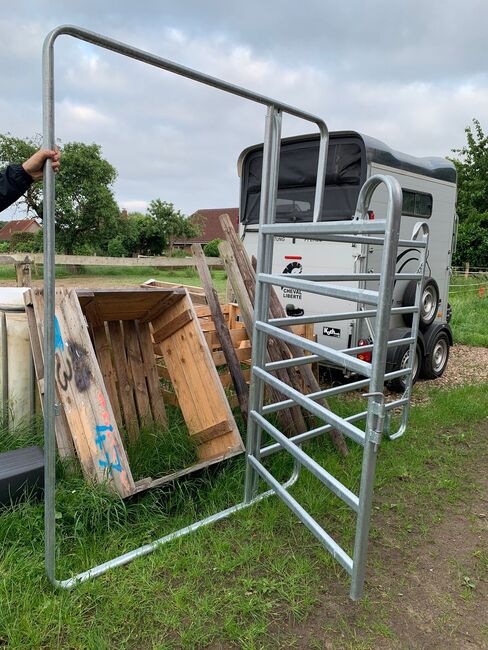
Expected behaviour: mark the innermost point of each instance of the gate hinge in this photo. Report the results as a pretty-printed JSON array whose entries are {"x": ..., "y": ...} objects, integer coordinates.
[{"x": 378, "y": 409}]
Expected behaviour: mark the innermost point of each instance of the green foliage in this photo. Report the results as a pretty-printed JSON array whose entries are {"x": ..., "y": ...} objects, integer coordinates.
[
  {"x": 86, "y": 211},
  {"x": 116, "y": 247},
  {"x": 171, "y": 223},
  {"x": 24, "y": 242},
  {"x": 17, "y": 150},
  {"x": 472, "y": 201},
  {"x": 4, "y": 247},
  {"x": 211, "y": 249}
]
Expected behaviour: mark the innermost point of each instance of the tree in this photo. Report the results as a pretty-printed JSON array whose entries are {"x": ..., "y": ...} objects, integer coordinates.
[
  {"x": 171, "y": 223},
  {"x": 86, "y": 211},
  {"x": 17, "y": 150},
  {"x": 472, "y": 201}
]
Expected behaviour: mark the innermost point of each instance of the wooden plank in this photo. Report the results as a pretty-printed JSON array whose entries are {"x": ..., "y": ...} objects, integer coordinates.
[
  {"x": 195, "y": 381},
  {"x": 124, "y": 380},
  {"x": 134, "y": 359},
  {"x": 247, "y": 312},
  {"x": 104, "y": 355},
  {"x": 212, "y": 432},
  {"x": 147, "y": 483},
  {"x": 159, "y": 308},
  {"x": 66, "y": 448},
  {"x": 93, "y": 260},
  {"x": 172, "y": 326},
  {"x": 241, "y": 388},
  {"x": 95, "y": 412},
  {"x": 152, "y": 378},
  {"x": 242, "y": 354}
]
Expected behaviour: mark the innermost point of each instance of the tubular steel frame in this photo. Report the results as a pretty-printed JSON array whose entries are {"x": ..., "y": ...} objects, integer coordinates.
[{"x": 359, "y": 230}]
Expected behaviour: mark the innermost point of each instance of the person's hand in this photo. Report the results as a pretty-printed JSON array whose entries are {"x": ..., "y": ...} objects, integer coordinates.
[{"x": 35, "y": 164}]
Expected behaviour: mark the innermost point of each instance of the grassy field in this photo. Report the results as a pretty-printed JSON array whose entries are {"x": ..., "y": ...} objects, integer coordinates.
[
  {"x": 469, "y": 310},
  {"x": 259, "y": 579}
]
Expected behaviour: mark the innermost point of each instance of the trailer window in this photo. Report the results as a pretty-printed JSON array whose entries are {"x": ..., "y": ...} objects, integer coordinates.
[{"x": 417, "y": 204}]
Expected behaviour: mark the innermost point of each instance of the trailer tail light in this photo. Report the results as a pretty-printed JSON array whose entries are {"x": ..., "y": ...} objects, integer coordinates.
[
  {"x": 371, "y": 214},
  {"x": 364, "y": 356}
]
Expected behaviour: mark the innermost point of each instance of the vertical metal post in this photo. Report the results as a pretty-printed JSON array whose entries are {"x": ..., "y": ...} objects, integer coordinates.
[
  {"x": 374, "y": 422},
  {"x": 49, "y": 296},
  {"x": 269, "y": 189}
]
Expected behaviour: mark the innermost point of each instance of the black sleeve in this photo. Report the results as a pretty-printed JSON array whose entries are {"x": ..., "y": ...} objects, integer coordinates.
[{"x": 14, "y": 181}]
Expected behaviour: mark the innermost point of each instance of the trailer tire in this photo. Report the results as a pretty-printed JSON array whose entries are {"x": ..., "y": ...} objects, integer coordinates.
[
  {"x": 436, "y": 355},
  {"x": 429, "y": 302},
  {"x": 397, "y": 359}
]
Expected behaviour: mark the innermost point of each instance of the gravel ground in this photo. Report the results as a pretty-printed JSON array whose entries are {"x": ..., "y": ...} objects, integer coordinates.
[{"x": 467, "y": 365}]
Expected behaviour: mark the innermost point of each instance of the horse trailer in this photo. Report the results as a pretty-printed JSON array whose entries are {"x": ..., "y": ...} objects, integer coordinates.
[{"x": 429, "y": 194}]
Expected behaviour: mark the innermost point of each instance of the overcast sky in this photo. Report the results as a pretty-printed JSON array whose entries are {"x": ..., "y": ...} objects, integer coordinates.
[{"x": 412, "y": 73}]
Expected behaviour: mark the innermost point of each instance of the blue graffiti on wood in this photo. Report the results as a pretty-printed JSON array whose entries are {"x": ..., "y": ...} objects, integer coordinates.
[{"x": 58, "y": 339}]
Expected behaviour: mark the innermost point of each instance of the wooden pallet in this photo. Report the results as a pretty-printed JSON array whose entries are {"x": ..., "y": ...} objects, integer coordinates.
[
  {"x": 112, "y": 335},
  {"x": 242, "y": 346}
]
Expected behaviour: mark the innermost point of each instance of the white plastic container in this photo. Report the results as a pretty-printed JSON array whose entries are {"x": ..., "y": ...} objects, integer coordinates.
[{"x": 17, "y": 379}]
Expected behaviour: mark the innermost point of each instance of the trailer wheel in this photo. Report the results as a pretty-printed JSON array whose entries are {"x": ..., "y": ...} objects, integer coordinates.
[
  {"x": 436, "y": 356},
  {"x": 398, "y": 360},
  {"x": 429, "y": 303}
]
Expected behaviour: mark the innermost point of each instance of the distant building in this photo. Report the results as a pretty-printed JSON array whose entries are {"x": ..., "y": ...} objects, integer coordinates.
[
  {"x": 210, "y": 226},
  {"x": 21, "y": 225}
]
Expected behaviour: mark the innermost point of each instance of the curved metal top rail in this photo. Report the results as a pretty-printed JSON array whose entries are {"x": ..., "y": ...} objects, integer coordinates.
[{"x": 171, "y": 66}]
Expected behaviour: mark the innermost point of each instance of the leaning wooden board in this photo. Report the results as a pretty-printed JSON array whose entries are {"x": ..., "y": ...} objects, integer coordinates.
[
  {"x": 82, "y": 394},
  {"x": 201, "y": 397}
]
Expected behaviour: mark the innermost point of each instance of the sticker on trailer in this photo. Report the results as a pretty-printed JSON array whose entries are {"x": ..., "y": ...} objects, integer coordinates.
[
  {"x": 294, "y": 267},
  {"x": 331, "y": 331}
]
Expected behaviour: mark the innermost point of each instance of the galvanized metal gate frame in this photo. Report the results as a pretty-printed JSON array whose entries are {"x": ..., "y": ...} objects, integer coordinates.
[{"x": 344, "y": 231}]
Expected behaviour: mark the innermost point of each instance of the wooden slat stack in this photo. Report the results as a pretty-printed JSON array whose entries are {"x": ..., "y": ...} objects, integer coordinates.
[{"x": 107, "y": 379}]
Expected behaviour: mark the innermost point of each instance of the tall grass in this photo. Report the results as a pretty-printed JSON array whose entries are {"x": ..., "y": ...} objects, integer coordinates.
[{"x": 469, "y": 309}]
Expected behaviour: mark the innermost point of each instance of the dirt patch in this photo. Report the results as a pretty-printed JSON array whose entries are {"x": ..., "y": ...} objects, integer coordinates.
[{"x": 428, "y": 591}]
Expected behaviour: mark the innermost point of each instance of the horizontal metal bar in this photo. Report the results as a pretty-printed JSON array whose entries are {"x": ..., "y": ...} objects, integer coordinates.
[
  {"x": 309, "y": 435},
  {"x": 317, "y": 470},
  {"x": 149, "y": 548},
  {"x": 335, "y": 390},
  {"x": 288, "y": 321},
  {"x": 373, "y": 241},
  {"x": 333, "y": 291},
  {"x": 317, "y": 531},
  {"x": 351, "y": 277},
  {"x": 396, "y": 404},
  {"x": 289, "y": 363},
  {"x": 335, "y": 356},
  {"x": 316, "y": 409},
  {"x": 324, "y": 228},
  {"x": 368, "y": 348}
]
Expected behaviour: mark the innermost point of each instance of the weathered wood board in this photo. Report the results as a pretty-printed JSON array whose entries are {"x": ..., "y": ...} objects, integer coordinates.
[
  {"x": 200, "y": 394},
  {"x": 82, "y": 394}
]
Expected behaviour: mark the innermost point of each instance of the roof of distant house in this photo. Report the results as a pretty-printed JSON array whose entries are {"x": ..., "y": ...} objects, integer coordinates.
[
  {"x": 20, "y": 225},
  {"x": 211, "y": 228}
]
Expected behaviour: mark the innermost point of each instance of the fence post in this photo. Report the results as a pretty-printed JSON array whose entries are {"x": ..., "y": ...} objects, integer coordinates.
[{"x": 466, "y": 270}]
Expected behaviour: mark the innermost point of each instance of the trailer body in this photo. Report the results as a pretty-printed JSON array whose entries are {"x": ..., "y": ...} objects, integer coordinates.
[{"x": 429, "y": 194}]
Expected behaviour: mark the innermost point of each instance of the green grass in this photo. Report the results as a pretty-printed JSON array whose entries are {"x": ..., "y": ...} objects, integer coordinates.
[
  {"x": 241, "y": 582},
  {"x": 469, "y": 311}
]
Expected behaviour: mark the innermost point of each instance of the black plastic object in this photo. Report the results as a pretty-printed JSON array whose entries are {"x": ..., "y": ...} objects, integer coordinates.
[{"x": 21, "y": 473}]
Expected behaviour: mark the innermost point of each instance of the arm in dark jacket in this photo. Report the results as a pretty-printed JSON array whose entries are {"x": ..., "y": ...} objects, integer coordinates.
[{"x": 14, "y": 181}]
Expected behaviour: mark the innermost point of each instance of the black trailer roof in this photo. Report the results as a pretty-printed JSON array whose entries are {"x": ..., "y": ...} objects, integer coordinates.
[
  {"x": 347, "y": 161},
  {"x": 379, "y": 152}
]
